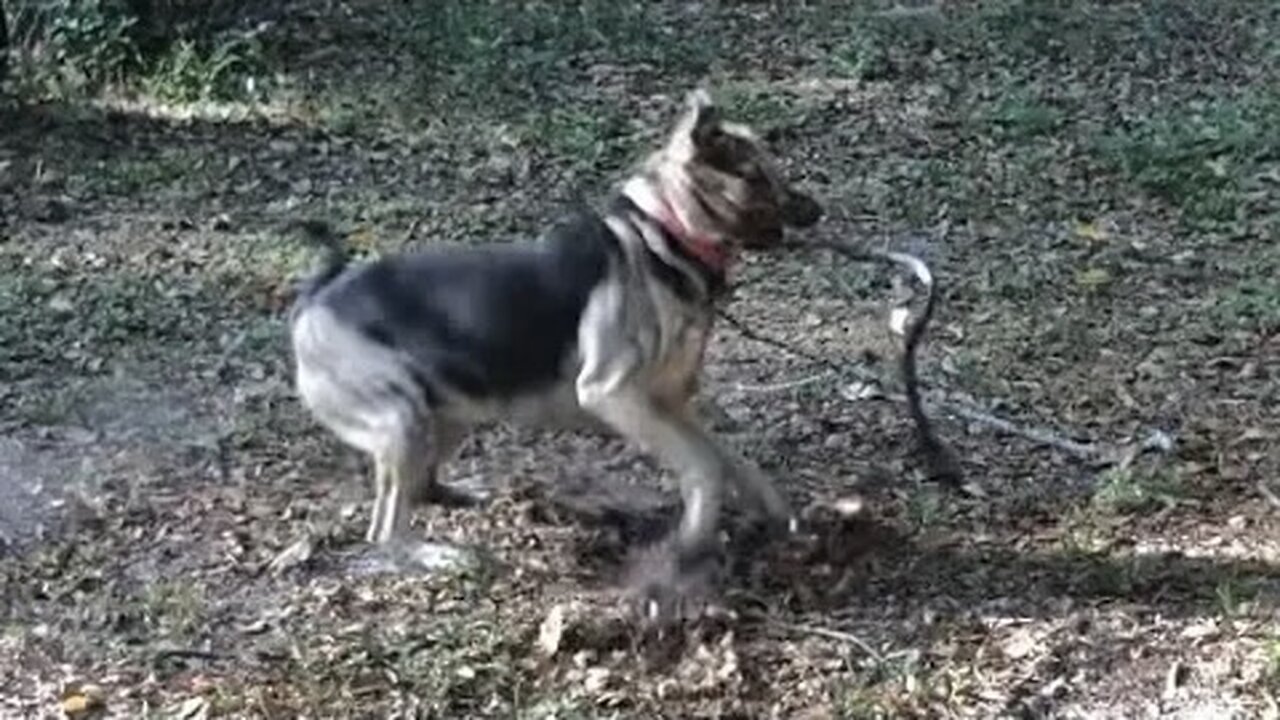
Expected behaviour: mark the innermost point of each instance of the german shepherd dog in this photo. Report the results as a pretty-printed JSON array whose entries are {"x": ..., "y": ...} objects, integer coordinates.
[{"x": 605, "y": 319}]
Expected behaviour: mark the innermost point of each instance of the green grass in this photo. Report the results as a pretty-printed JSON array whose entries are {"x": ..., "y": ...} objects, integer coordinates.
[
  {"x": 588, "y": 137},
  {"x": 173, "y": 607},
  {"x": 1020, "y": 114},
  {"x": 1234, "y": 595},
  {"x": 163, "y": 171},
  {"x": 492, "y": 56},
  {"x": 1123, "y": 491},
  {"x": 1271, "y": 655},
  {"x": 1202, "y": 157}
]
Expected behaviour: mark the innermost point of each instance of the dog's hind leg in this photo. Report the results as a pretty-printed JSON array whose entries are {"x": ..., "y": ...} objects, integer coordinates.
[
  {"x": 425, "y": 488},
  {"x": 381, "y": 485},
  {"x": 408, "y": 463}
]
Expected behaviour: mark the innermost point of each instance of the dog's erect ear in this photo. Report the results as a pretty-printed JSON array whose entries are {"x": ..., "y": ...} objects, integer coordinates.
[
  {"x": 698, "y": 124},
  {"x": 704, "y": 116}
]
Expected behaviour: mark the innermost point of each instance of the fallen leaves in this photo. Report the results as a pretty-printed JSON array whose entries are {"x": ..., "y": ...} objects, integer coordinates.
[
  {"x": 298, "y": 553},
  {"x": 81, "y": 700}
]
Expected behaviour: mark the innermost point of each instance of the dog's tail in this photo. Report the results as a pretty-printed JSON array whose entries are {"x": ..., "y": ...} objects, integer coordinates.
[{"x": 334, "y": 259}]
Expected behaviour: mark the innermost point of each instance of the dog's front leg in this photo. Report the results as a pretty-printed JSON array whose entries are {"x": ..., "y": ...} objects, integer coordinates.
[
  {"x": 686, "y": 569},
  {"x": 681, "y": 445}
]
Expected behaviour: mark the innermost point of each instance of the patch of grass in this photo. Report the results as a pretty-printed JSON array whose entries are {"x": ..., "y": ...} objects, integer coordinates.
[
  {"x": 925, "y": 508},
  {"x": 858, "y": 703},
  {"x": 142, "y": 173},
  {"x": 173, "y": 607},
  {"x": 759, "y": 106},
  {"x": 1201, "y": 157},
  {"x": 190, "y": 71},
  {"x": 83, "y": 321},
  {"x": 1020, "y": 114},
  {"x": 884, "y": 42},
  {"x": 1271, "y": 658},
  {"x": 487, "y": 52},
  {"x": 456, "y": 665},
  {"x": 178, "y": 51},
  {"x": 1083, "y": 535},
  {"x": 586, "y": 138},
  {"x": 1252, "y": 303},
  {"x": 1128, "y": 490},
  {"x": 1233, "y": 596}
]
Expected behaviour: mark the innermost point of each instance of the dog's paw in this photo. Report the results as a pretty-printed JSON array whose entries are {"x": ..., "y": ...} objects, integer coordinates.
[{"x": 667, "y": 585}]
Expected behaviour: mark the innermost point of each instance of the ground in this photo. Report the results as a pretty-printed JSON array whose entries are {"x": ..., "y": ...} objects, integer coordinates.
[{"x": 1097, "y": 186}]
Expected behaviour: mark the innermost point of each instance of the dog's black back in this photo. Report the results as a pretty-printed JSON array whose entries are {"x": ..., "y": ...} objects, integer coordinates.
[{"x": 491, "y": 321}]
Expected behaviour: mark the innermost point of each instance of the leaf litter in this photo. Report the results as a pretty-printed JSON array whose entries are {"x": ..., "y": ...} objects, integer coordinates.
[{"x": 155, "y": 575}]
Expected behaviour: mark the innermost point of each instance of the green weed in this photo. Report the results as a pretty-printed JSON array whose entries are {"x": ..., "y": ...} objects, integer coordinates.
[
  {"x": 1271, "y": 655},
  {"x": 178, "y": 50},
  {"x": 189, "y": 72},
  {"x": 1233, "y": 596},
  {"x": 588, "y": 139},
  {"x": 175, "y": 607},
  {"x": 1020, "y": 114},
  {"x": 1128, "y": 490},
  {"x": 1252, "y": 303}
]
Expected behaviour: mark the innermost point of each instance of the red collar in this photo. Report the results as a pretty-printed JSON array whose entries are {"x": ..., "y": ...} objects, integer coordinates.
[{"x": 713, "y": 254}]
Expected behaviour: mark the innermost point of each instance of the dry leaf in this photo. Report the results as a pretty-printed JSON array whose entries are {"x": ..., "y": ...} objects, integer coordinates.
[
  {"x": 196, "y": 708},
  {"x": 551, "y": 632},
  {"x": 859, "y": 390},
  {"x": 294, "y": 555},
  {"x": 596, "y": 681},
  {"x": 83, "y": 700},
  {"x": 1020, "y": 643},
  {"x": 1093, "y": 278},
  {"x": 1090, "y": 231}
]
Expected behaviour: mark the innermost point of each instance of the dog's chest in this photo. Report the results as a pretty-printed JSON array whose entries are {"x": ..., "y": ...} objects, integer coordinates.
[{"x": 674, "y": 373}]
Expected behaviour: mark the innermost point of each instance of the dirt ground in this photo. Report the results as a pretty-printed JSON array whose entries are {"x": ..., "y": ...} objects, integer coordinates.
[{"x": 1097, "y": 186}]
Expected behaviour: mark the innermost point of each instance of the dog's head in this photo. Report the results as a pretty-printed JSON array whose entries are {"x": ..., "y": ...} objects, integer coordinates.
[{"x": 725, "y": 181}]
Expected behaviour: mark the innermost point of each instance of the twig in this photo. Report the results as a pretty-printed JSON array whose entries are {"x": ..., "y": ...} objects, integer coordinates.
[
  {"x": 934, "y": 398},
  {"x": 788, "y": 385},
  {"x": 1034, "y": 434},
  {"x": 1270, "y": 495},
  {"x": 830, "y": 634},
  {"x": 412, "y": 231},
  {"x": 750, "y": 334},
  {"x": 186, "y": 653}
]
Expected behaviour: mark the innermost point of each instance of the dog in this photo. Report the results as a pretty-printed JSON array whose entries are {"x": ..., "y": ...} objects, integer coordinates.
[{"x": 605, "y": 319}]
